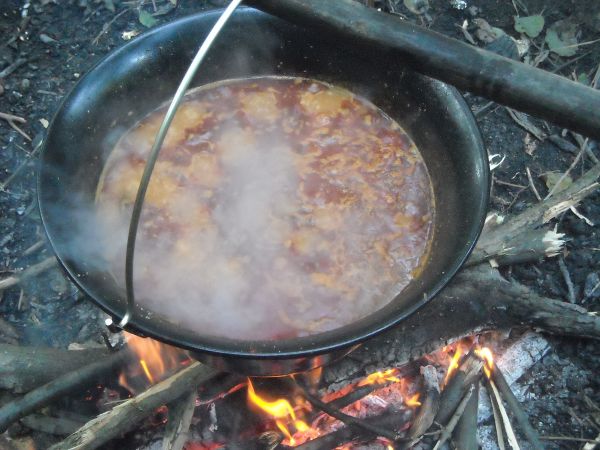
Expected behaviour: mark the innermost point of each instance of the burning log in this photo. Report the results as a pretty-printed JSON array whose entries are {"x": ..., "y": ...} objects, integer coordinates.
[
  {"x": 365, "y": 426},
  {"x": 467, "y": 373},
  {"x": 128, "y": 414},
  {"x": 24, "y": 368},
  {"x": 429, "y": 407},
  {"x": 63, "y": 385},
  {"x": 391, "y": 420}
]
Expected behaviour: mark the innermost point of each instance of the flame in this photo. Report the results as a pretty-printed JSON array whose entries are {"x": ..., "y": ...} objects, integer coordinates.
[
  {"x": 488, "y": 357},
  {"x": 279, "y": 409},
  {"x": 454, "y": 362},
  {"x": 414, "y": 400},
  {"x": 381, "y": 377},
  {"x": 156, "y": 361}
]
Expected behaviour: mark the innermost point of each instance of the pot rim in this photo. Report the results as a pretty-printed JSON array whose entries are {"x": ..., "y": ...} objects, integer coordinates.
[{"x": 340, "y": 338}]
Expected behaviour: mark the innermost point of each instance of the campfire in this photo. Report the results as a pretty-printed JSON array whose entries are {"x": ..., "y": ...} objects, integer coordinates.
[
  {"x": 449, "y": 376},
  {"x": 431, "y": 400}
]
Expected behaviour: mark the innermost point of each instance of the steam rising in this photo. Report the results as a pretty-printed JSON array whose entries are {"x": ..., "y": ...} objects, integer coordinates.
[{"x": 258, "y": 225}]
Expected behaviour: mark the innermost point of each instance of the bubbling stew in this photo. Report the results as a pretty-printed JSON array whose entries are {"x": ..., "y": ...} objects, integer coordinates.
[{"x": 279, "y": 207}]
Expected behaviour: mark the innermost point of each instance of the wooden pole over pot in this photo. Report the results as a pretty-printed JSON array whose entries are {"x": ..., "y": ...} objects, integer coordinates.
[{"x": 511, "y": 83}]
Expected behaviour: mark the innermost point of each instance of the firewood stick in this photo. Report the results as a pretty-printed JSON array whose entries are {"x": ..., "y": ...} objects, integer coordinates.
[
  {"x": 31, "y": 271},
  {"x": 23, "y": 368},
  {"x": 449, "y": 428},
  {"x": 347, "y": 23},
  {"x": 355, "y": 395},
  {"x": 467, "y": 373},
  {"x": 59, "y": 387},
  {"x": 128, "y": 414},
  {"x": 520, "y": 416},
  {"x": 393, "y": 420},
  {"x": 180, "y": 416},
  {"x": 350, "y": 420},
  {"x": 428, "y": 409},
  {"x": 497, "y": 419},
  {"x": 501, "y": 417},
  {"x": 60, "y": 426},
  {"x": 465, "y": 434}
]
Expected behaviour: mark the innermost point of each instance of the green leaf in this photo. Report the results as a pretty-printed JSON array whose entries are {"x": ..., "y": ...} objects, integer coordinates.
[
  {"x": 551, "y": 178},
  {"x": 583, "y": 78},
  {"x": 558, "y": 46},
  {"x": 108, "y": 4},
  {"x": 532, "y": 26},
  {"x": 146, "y": 19}
]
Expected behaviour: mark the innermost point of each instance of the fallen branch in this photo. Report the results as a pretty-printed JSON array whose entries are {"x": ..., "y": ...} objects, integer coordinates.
[
  {"x": 63, "y": 385},
  {"x": 502, "y": 238},
  {"x": 31, "y": 271},
  {"x": 11, "y": 117},
  {"x": 128, "y": 414}
]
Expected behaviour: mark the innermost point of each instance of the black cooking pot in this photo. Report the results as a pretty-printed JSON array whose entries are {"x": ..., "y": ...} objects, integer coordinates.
[{"x": 144, "y": 73}]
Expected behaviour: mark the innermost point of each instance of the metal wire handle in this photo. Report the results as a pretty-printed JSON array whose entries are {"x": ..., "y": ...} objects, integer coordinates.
[{"x": 160, "y": 137}]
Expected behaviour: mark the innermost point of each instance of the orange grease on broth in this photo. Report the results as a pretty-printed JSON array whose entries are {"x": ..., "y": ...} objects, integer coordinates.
[{"x": 279, "y": 208}]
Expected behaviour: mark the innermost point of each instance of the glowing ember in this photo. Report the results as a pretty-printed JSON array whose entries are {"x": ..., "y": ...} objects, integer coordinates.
[
  {"x": 454, "y": 362},
  {"x": 156, "y": 361},
  {"x": 488, "y": 357},
  {"x": 278, "y": 409},
  {"x": 381, "y": 377},
  {"x": 414, "y": 400}
]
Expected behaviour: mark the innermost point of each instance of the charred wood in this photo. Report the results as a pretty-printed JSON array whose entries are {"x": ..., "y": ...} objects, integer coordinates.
[
  {"x": 466, "y": 374},
  {"x": 124, "y": 417},
  {"x": 449, "y": 428},
  {"x": 477, "y": 300},
  {"x": 60, "y": 426},
  {"x": 392, "y": 420},
  {"x": 428, "y": 410},
  {"x": 465, "y": 434},
  {"x": 24, "y": 368},
  {"x": 63, "y": 385},
  {"x": 365, "y": 426}
]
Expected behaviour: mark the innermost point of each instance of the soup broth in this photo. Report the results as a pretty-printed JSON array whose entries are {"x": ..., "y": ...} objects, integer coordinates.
[{"x": 279, "y": 207}]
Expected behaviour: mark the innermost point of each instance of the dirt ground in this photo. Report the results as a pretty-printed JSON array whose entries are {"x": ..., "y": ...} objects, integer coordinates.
[{"x": 46, "y": 46}]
